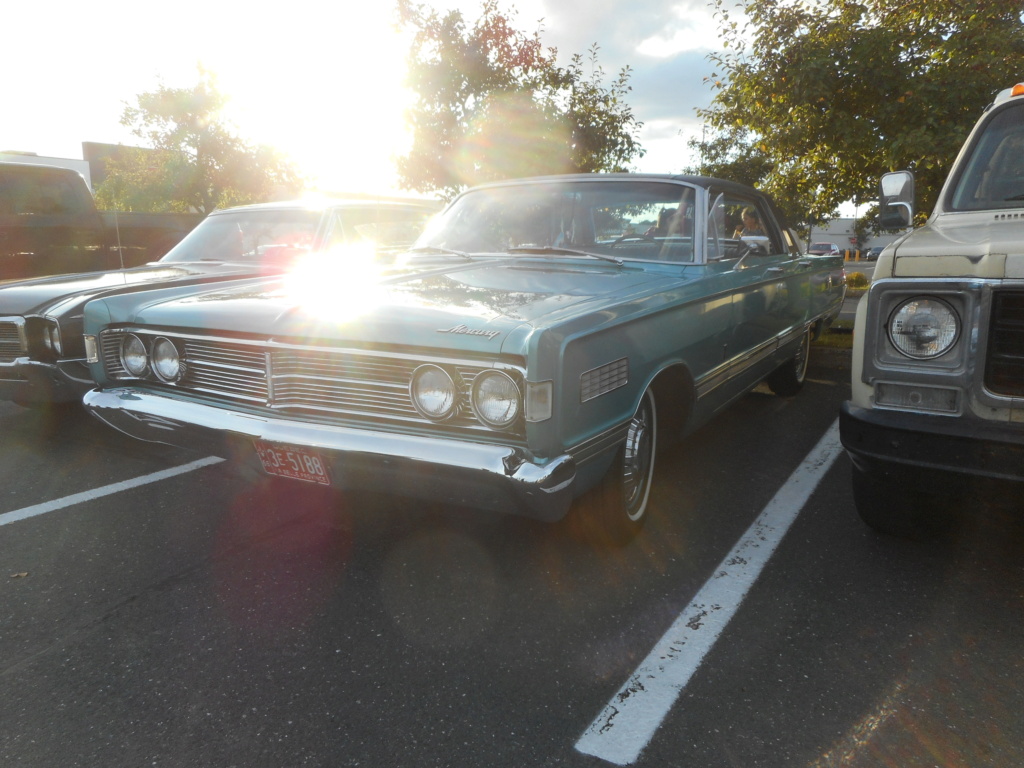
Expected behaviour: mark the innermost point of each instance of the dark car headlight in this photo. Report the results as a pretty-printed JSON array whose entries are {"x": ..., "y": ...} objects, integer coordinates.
[
  {"x": 133, "y": 355},
  {"x": 496, "y": 399},
  {"x": 924, "y": 327},
  {"x": 434, "y": 393}
]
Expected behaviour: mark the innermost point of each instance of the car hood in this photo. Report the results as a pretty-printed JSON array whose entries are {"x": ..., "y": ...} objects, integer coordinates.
[
  {"x": 474, "y": 307},
  {"x": 47, "y": 295},
  {"x": 982, "y": 245}
]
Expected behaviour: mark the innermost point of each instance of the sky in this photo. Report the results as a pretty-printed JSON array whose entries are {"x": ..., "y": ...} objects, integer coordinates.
[{"x": 320, "y": 81}]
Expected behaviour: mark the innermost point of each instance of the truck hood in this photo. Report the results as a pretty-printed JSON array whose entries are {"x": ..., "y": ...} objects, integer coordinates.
[
  {"x": 983, "y": 245},
  {"x": 470, "y": 307},
  {"x": 49, "y": 295}
]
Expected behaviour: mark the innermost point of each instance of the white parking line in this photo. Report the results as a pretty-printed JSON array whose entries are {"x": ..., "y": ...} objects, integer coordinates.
[
  {"x": 106, "y": 490},
  {"x": 630, "y": 719}
]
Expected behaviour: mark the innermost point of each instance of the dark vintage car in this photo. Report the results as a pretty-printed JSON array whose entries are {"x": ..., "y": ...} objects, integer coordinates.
[
  {"x": 41, "y": 353},
  {"x": 543, "y": 339}
]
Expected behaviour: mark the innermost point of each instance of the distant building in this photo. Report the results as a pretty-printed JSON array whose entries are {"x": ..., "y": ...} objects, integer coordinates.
[
  {"x": 93, "y": 167},
  {"x": 32, "y": 158}
]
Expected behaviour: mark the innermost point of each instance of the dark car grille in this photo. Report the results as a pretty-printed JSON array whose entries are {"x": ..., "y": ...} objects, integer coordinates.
[
  {"x": 342, "y": 386},
  {"x": 1004, "y": 368},
  {"x": 10, "y": 341}
]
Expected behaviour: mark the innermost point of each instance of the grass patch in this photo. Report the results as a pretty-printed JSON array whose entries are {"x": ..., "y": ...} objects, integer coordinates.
[{"x": 838, "y": 336}]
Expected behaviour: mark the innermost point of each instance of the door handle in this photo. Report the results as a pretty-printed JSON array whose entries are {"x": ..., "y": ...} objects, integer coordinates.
[{"x": 774, "y": 271}]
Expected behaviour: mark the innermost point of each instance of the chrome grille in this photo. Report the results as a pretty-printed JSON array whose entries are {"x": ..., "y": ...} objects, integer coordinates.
[
  {"x": 11, "y": 339},
  {"x": 341, "y": 385},
  {"x": 1004, "y": 368}
]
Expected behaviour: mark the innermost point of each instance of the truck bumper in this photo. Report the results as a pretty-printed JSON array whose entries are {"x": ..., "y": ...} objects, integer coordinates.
[
  {"x": 936, "y": 450},
  {"x": 494, "y": 477}
]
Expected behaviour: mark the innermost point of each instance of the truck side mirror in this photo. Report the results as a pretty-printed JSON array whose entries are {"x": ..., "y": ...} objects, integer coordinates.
[{"x": 896, "y": 200}]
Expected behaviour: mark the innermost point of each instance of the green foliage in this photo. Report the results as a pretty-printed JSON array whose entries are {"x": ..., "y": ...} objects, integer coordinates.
[
  {"x": 820, "y": 98},
  {"x": 196, "y": 162},
  {"x": 857, "y": 280},
  {"x": 491, "y": 103}
]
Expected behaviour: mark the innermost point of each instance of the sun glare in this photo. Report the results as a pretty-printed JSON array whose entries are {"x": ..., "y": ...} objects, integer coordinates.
[
  {"x": 338, "y": 285},
  {"x": 327, "y": 93}
]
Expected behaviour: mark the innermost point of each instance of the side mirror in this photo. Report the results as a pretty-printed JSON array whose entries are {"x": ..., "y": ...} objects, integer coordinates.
[{"x": 896, "y": 200}]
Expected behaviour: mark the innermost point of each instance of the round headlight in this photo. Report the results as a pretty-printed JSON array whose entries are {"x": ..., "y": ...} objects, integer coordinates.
[
  {"x": 166, "y": 360},
  {"x": 924, "y": 327},
  {"x": 433, "y": 392},
  {"x": 55, "y": 341},
  {"x": 133, "y": 355},
  {"x": 496, "y": 399}
]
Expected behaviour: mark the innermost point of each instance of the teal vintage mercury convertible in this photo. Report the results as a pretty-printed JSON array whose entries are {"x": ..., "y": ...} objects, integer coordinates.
[{"x": 541, "y": 340}]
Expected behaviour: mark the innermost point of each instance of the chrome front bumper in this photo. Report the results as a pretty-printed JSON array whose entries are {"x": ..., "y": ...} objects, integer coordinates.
[
  {"x": 24, "y": 380},
  {"x": 495, "y": 477}
]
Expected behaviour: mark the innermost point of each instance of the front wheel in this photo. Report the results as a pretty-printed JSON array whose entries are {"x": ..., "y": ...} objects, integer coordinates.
[
  {"x": 621, "y": 499},
  {"x": 788, "y": 378}
]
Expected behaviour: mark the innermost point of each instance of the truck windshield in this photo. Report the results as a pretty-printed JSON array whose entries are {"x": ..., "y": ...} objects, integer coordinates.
[
  {"x": 636, "y": 220},
  {"x": 993, "y": 172}
]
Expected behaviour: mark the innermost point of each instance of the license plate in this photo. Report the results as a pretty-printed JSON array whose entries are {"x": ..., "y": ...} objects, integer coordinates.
[{"x": 291, "y": 461}]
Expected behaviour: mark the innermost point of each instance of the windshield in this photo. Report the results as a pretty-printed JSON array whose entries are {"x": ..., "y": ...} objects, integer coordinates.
[
  {"x": 993, "y": 175},
  {"x": 620, "y": 219},
  {"x": 249, "y": 236}
]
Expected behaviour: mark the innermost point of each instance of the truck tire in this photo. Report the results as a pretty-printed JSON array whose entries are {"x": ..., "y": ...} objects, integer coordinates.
[{"x": 896, "y": 508}]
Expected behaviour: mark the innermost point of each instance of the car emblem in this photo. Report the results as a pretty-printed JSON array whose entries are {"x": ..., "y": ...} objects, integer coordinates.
[{"x": 465, "y": 330}]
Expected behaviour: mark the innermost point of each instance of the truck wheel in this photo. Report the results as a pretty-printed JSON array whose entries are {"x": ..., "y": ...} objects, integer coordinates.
[
  {"x": 788, "y": 378},
  {"x": 621, "y": 499},
  {"x": 896, "y": 509}
]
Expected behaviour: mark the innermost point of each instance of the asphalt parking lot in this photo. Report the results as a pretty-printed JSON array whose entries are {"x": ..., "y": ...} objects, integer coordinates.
[{"x": 157, "y": 609}]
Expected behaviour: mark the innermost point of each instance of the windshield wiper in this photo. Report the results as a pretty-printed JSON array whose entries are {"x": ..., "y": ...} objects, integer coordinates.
[
  {"x": 542, "y": 249},
  {"x": 436, "y": 249}
]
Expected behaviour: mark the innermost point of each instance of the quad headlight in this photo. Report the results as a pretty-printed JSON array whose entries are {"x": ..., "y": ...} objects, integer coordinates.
[
  {"x": 496, "y": 399},
  {"x": 166, "y": 360},
  {"x": 434, "y": 393},
  {"x": 924, "y": 327},
  {"x": 51, "y": 338},
  {"x": 133, "y": 355}
]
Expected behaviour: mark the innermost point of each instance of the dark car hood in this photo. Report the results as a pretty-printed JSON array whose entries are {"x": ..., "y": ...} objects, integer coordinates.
[
  {"x": 468, "y": 306},
  {"x": 47, "y": 294}
]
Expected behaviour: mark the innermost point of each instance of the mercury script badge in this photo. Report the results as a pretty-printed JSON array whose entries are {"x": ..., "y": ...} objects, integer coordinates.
[{"x": 467, "y": 331}]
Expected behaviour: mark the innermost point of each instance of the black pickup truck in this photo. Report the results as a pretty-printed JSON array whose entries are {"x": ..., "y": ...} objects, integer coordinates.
[{"x": 49, "y": 225}]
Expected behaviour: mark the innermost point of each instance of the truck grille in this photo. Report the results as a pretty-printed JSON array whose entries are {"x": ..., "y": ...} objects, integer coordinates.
[
  {"x": 333, "y": 385},
  {"x": 11, "y": 340},
  {"x": 1004, "y": 368}
]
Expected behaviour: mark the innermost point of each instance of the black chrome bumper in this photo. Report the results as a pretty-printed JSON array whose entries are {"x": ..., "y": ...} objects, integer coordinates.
[
  {"x": 883, "y": 440},
  {"x": 494, "y": 477}
]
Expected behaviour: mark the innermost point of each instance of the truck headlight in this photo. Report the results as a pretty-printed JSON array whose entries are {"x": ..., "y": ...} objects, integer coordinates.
[
  {"x": 496, "y": 399},
  {"x": 924, "y": 327},
  {"x": 133, "y": 355},
  {"x": 433, "y": 392},
  {"x": 166, "y": 360}
]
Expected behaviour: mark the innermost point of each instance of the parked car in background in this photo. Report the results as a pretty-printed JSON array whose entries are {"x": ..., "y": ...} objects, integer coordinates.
[
  {"x": 41, "y": 352},
  {"x": 543, "y": 339},
  {"x": 49, "y": 225},
  {"x": 824, "y": 249},
  {"x": 935, "y": 424},
  {"x": 873, "y": 252}
]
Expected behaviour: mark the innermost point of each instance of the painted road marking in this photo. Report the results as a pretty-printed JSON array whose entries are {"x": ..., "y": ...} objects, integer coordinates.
[
  {"x": 630, "y": 719},
  {"x": 106, "y": 490}
]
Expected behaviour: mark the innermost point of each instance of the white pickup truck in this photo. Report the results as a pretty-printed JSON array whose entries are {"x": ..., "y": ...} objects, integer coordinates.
[{"x": 935, "y": 424}]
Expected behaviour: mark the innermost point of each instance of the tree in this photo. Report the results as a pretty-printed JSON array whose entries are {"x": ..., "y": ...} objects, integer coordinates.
[
  {"x": 492, "y": 103},
  {"x": 833, "y": 94},
  {"x": 196, "y": 162}
]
